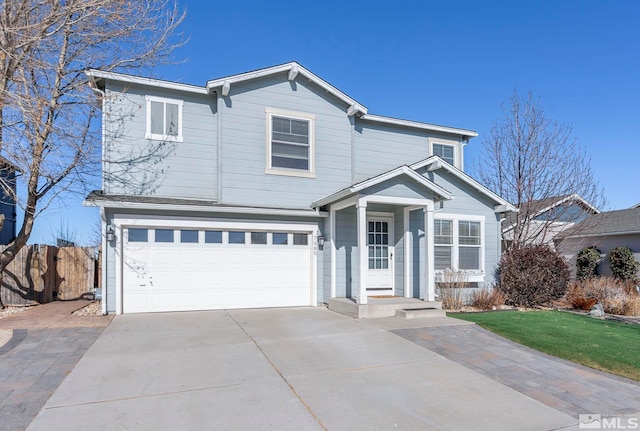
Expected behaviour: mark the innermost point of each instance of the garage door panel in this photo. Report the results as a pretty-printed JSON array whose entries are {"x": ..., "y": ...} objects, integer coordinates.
[{"x": 202, "y": 276}]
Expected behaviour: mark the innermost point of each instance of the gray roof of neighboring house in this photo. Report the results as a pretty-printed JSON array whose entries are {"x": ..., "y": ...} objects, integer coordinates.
[
  {"x": 540, "y": 206},
  {"x": 617, "y": 222}
]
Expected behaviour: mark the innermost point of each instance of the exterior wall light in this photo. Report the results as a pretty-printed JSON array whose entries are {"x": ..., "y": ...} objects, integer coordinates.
[
  {"x": 321, "y": 242},
  {"x": 111, "y": 233}
]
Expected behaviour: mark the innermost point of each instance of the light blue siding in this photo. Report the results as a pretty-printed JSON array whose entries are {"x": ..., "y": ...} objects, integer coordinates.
[
  {"x": 138, "y": 166},
  {"x": 346, "y": 253},
  {"x": 244, "y": 145},
  {"x": 401, "y": 187},
  {"x": 398, "y": 255},
  {"x": 379, "y": 148},
  {"x": 416, "y": 226},
  {"x": 468, "y": 201}
]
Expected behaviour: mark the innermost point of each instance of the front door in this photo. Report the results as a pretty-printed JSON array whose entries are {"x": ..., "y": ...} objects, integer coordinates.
[{"x": 380, "y": 244}]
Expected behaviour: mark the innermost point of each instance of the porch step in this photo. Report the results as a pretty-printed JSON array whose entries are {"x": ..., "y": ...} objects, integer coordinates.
[
  {"x": 379, "y": 307},
  {"x": 418, "y": 313}
]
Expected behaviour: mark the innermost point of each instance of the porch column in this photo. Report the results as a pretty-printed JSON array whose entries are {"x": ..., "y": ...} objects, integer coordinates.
[
  {"x": 363, "y": 252},
  {"x": 332, "y": 245},
  {"x": 429, "y": 264},
  {"x": 408, "y": 287}
]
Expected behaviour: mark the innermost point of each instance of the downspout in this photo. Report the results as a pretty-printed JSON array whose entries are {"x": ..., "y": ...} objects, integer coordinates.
[{"x": 103, "y": 273}]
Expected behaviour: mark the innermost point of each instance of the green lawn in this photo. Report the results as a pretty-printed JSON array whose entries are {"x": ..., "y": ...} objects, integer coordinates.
[{"x": 608, "y": 346}]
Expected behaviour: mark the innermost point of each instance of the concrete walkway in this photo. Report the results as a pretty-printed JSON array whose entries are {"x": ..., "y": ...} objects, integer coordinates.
[
  {"x": 45, "y": 344},
  {"x": 282, "y": 369},
  {"x": 563, "y": 385}
]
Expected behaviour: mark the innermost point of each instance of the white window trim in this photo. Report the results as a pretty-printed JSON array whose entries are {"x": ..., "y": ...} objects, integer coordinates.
[
  {"x": 158, "y": 136},
  {"x": 473, "y": 276},
  {"x": 311, "y": 173},
  {"x": 456, "y": 157}
]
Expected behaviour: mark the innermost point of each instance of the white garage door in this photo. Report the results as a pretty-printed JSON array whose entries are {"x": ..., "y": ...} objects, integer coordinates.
[{"x": 191, "y": 269}]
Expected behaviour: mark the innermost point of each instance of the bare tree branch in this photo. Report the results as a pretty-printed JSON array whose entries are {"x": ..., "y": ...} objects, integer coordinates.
[
  {"x": 49, "y": 124},
  {"x": 531, "y": 160}
]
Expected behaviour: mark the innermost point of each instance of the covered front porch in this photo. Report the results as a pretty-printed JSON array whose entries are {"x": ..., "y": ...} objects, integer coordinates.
[{"x": 381, "y": 245}]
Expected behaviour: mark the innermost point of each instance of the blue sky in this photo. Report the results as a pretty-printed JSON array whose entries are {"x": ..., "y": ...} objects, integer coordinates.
[{"x": 451, "y": 63}]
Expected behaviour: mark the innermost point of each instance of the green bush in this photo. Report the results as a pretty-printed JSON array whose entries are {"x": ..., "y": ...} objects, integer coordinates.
[
  {"x": 623, "y": 265},
  {"x": 531, "y": 276},
  {"x": 587, "y": 263}
]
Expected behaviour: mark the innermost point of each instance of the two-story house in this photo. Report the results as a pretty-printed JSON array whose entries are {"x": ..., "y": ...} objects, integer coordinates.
[{"x": 273, "y": 188}]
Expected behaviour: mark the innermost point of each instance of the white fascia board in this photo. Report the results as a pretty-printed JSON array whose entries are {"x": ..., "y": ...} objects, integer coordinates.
[
  {"x": 402, "y": 170},
  {"x": 288, "y": 67},
  {"x": 573, "y": 197},
  {"x": 503, "y": 205},
  {"x": 205, "y": 208},
  {"x": 100, "y": 74},
  {"x": 419, "y": 125},
  {"x": 601, "y": 234}
]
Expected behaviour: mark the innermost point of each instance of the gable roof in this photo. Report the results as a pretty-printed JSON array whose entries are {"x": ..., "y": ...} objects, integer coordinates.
[
  {"x": 294, "y": 70},
  {"x": 362, "y": 185},
  {"x": 97, "y": 77},
  {"x": 541, "y": 206},
  {"x": 618, "y": 222},
  {"x": 434, "y": 163}
]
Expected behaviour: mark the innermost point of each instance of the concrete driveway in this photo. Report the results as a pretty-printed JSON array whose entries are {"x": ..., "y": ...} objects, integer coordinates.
[{"x": 281, "y": 369}]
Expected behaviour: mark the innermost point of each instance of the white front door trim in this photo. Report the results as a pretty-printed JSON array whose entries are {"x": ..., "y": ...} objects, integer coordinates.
[{"x": 389, "y": 272}]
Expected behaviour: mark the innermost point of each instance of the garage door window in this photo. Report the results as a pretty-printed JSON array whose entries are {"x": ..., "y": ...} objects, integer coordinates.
[
  {"x": 300, "y": 239},
  {"x": 138, "y": 235},
  {"x": 258, "y": 237},
  {"x": 213, "y": 236},
  {"x": 190, "y": 236},
  {"x": 236, "y": 237},
  {"x": 280, "y": 238},
  {"x": 164, "y": 235}
]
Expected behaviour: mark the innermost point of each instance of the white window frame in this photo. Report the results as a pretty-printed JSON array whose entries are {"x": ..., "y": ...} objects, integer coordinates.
[
  {"x": 472, "y": 275},
  {"x": 294, "y": 115},
  {"x": 162, "y": 136},
  {"x": 455, "y": 151}
]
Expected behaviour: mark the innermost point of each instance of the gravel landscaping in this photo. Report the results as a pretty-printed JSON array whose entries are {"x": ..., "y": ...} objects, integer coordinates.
[
  {"x": 93, "y": 309},
  {"x": 11, "y": 310}
]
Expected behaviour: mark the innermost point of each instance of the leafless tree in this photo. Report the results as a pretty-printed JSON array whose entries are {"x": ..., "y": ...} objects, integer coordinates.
[
  {"x": 534, "y": 163},
  {"x": 49, "y": 121}
]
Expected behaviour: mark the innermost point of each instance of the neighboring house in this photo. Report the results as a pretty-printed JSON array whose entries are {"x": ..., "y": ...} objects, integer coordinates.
[
  {"x": 539, "y": 221},
  {"x": 7, "y": 201},
  {"x": 273, "y": 188},
  {"x": 606, "y": 231}
]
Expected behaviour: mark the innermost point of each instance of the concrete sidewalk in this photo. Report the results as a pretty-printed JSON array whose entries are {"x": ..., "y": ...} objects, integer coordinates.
[
  {"x": 45, "y": 344},
  {"x": 282, "y": 369}
]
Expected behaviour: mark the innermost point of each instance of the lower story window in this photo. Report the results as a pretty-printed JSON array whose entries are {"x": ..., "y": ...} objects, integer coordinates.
[{"x": 458, "y": 245}]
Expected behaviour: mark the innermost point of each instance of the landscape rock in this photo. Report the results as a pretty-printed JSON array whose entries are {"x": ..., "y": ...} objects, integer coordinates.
[{"x": 597, "y": 311}]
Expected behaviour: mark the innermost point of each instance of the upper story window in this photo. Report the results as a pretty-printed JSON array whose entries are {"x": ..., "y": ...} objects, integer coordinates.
[
  {"x": 164, "y": 119},
  {"x": 445, "y": 152},
  {"x": 290, "y": 143}
]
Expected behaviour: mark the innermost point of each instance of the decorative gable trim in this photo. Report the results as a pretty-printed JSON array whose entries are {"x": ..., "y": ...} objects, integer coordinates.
[
  {"x": 434, "y": 163},
  {"x": 293, "y": 70}
]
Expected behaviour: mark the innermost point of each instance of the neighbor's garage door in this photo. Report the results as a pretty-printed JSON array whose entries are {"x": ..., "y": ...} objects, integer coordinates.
[{"x": 191, "y": 269}]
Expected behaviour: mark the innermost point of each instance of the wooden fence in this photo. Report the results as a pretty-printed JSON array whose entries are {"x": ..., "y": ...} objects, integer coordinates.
[{"x": 42, "y": 273}]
